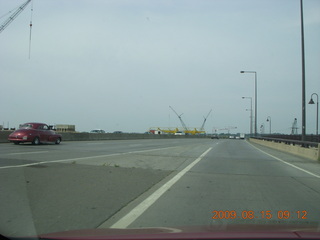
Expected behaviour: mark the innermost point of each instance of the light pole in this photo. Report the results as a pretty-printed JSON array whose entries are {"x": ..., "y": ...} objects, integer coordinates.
[
  {"x": 303, "y": 134},
  {"x": 255, "y": 99},
  {"x": 250, "y": 113},
  {"x": 262, "y": 128},
  {"x": 312, "y": 102},
  {"x": 269, "y": 120}
]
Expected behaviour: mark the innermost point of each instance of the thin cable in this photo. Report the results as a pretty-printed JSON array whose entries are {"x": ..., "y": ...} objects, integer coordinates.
[{"x": 30, "y": 29}]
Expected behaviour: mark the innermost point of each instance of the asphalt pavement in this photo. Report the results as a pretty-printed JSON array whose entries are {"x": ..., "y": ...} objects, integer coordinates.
[{"x": 152, "y": 183}]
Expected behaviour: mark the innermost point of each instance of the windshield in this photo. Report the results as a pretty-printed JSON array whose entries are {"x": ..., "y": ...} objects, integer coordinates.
[
  {"x": 25, "y": 126},
  {"x": 236, "y": 144}
]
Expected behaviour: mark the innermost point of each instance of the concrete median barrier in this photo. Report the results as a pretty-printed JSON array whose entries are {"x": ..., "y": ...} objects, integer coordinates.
[
  {"x": 310, "y": 153},
  {"x": 75, "y": 136},
  {"x": 4, "y": 136}
]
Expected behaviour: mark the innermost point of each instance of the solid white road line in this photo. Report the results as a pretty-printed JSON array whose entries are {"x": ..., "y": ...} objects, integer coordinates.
[
  {"x": 22, "y": 153},
  {"x": 143, "y": 206},
  {"x": 290, "y": 164}
]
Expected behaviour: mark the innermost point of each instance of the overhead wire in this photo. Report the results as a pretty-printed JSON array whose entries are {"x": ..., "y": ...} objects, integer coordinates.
[{"x": 30, "y": 29}]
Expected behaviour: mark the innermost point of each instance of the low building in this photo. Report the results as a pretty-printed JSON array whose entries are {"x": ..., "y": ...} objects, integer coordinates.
[{"x": 65, "y": 128}]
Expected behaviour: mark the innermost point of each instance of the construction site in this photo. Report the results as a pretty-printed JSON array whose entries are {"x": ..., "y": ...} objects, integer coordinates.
[{"x": 183, "y": 130}]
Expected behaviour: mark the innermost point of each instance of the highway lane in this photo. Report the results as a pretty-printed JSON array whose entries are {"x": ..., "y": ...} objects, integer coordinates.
[
  {"x": 94, "y": 184},
  {"x": 238, "y": 178},
  {"x": 74, "y": 185},
  {"x": 15, "y": 155}
]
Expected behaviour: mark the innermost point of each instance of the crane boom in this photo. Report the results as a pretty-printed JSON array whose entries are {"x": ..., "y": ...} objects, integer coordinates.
[
  {"x": 204, "y": 121},
  {"x": 14, "y": 15},
  {"x": 179, "y": 116}
]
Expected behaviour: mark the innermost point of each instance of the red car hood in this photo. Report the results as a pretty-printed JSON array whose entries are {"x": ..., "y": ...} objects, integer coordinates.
[{"x": 195, "y": 232}]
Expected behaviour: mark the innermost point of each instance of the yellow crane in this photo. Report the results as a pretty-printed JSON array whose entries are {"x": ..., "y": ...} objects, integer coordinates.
[
  {"x": 187, "y": 130},
  {"x": 182, "y": 122}
]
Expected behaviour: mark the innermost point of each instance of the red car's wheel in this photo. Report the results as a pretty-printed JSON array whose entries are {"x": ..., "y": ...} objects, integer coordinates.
[
  {"x": 36, "y": 141},
  {"x": 58, "y": 141}
]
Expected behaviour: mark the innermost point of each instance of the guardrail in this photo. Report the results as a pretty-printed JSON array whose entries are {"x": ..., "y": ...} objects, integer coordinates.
[
  {"x": 304, "y": 149},
  {"x": 306, "y": 144},
  {"x": 298, "y": 137}
]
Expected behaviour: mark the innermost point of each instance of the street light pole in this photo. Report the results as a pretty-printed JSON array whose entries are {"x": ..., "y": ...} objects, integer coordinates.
[
  {"x": 262, "y": 128},
  {"x": 303, "y": 134},
  {"x": 312, "y": 102},
  {"x": 255, "y": 100},
  {"x": 269, "y": 120},
  {"x": 250, "y": 113}
]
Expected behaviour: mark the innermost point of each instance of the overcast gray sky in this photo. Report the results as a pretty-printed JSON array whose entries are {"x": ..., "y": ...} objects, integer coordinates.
[{"x": 120, "y": 64}]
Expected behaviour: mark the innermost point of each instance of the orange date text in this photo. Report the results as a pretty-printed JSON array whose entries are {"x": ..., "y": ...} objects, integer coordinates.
[{"x": 268, "y": 214}]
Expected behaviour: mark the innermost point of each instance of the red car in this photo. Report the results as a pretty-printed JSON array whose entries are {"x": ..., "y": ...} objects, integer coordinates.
[{"x": 35, "y": 133}]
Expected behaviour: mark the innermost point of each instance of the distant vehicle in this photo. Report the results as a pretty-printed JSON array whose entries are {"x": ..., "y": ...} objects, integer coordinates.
[
  {"x": 117, "y": 132},
  {"x": 214, "y": 136},
  {"x": 179, "y": 133},
  {"x": 36, "y": 133},
  {"x": 97, "y": 131},
  {"x": 231, "y": 137}
]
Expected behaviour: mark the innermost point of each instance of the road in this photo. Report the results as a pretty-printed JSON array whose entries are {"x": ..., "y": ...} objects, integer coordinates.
[{"x": 148, "y": 183}]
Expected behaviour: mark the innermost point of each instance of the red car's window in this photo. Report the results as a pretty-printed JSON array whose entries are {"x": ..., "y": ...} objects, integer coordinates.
[
  {"x": 43, "y": 127},
  {"x": 26, "y": 126}
]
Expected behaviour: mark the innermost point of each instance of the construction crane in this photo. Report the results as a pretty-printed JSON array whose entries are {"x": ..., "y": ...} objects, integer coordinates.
[
  {"x": 204, "y": 121},
  {"x": 182, "y": 122},
  {"x": 14, "y": 15}
]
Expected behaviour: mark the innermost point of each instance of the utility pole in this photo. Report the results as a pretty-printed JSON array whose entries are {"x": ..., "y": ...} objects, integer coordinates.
[{"x": 303, "y": 134}]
